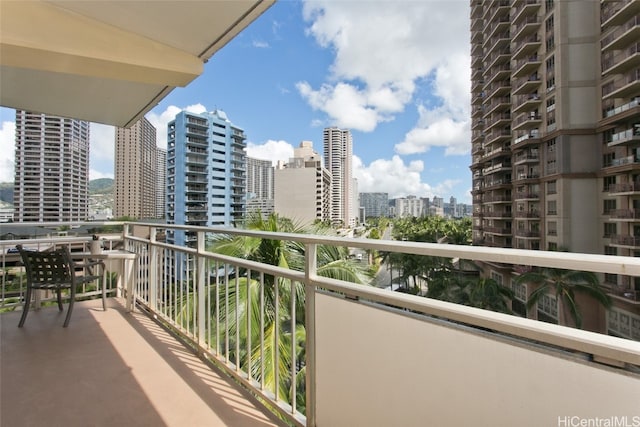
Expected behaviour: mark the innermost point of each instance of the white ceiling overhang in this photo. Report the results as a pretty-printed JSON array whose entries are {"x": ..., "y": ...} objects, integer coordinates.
[{"x": 110, "y": 61}]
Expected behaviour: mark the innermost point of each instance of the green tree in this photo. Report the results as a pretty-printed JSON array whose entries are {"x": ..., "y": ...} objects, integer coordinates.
[
  {"x": 565, "y": 284},
  {"x": 332, "y": 261}
]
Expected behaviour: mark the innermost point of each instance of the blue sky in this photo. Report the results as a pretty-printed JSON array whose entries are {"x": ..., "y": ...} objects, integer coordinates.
[{"x": 397, "y": 73}]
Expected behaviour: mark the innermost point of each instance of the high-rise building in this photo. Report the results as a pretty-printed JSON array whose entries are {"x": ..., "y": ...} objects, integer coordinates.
[
  {"x": 303, "y": 187},
  {"x": 555, "y": 137},
  {"x": 206, "y": 182},
  {"x": 51, "y": 168},
  {"x": 410, "y": 206},
  {"x": 138, "y": 175},
  {"x": 376, "y": 205},
  {"x": 338, "y": 159},
  {"x": 260, "y": 187},
  {"x": 161, "y": 182}
]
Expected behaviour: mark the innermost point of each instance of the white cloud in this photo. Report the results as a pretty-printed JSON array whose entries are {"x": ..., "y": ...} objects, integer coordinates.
[
  {"x": 7, "y": 151},
  {"x": 436, "y": 128},
  {"x": 270, "y": 150},
  {"x": 383, "y": 50},
  {"x": 101, "y": 151},
  {"x": 260, "y": 44},
  {"x": 159, "y": 121},
  {"x": 447, "y": 125},
  {"x": 397, "y": 178}
]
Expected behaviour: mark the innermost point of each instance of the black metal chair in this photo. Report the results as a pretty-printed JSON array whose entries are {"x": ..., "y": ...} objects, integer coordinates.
[{"x": 55, "y": 270}]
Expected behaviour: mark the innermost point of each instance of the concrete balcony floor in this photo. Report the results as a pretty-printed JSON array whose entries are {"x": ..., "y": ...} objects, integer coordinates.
[{"x": 111, "y": 368}]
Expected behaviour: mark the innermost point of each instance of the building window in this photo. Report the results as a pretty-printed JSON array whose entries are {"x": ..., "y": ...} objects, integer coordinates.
[
  {"x": 497, "y": 277},
  {"x": 607, "y": 159},
  {"x": 551, "y": 83},
  {"x": 551, "y": 207},
  {"x": 607, "y": 183},
  {"x": 610, "y": 250},
  {"x": 608, "y": 206},
  {"x": 548, "y": 309},
  {"x": 610, "y": 229},
  {"x": 552, "y": 228},
  {"x": 551, "y": 187},
  {"x": 552, "y": 246},
  {"x": 550, "y": 62}
]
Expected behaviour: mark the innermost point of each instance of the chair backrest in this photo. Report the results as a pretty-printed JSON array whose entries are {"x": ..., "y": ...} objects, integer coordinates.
[{"x": 47, "y": 267}]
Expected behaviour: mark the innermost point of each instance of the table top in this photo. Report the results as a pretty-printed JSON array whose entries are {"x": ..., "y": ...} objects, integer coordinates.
[{"x": 106, "y": 254}]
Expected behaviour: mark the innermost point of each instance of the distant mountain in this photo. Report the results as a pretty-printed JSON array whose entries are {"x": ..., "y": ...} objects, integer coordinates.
[
  {"x": 6, "y": 192},
  {"x": 101, "y": 185},
  {"x": 96, "y": 186}
]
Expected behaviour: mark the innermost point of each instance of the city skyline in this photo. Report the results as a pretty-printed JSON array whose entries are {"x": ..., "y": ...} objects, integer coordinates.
[{"x": 292, "y": 73}]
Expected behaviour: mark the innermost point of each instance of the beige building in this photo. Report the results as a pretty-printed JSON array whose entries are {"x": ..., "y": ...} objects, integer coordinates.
[
  {"x": 302, "y": 187},
  {"x": 338, "y": 159},
  {"x": 260, "y": 186},
  {"x": 51, "y": 168},
  {"x": 139, "y": 177},
  {"x": 555, "y": 132}
]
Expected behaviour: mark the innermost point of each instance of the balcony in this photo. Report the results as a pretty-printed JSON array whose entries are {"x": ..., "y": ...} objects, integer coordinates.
[
  {"x": 624, "y": 188},
  {"x": 625, "y": 241},
  {"x": 627, "y": 137},
  {"x": 124, "y": 369},
  {"x": 351, "y": 337},
  {"x": 627, "y": 86},
  {"x": 622, "y": 61},
  {"x": 616, "y": 13},
  {"x": 627, "y": 33},
  {"x": 624, "y": 214}
]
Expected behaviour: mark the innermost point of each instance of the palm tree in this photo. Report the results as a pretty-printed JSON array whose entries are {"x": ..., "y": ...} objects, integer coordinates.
[
  {"x": 564, "y": 284},
  {"x": 332, "y": 261},
  {"x": 488, "y": 294}
]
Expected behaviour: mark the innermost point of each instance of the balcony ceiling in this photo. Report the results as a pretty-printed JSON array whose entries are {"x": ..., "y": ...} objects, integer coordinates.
[{"x": 110, "y": 61}]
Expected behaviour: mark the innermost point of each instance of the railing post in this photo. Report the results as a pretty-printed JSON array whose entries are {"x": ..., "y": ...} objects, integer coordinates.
[
  {"x": 200, "y": 277},
  {"x": 310, "y": 329},
  {"x": 153, "y": 270}
]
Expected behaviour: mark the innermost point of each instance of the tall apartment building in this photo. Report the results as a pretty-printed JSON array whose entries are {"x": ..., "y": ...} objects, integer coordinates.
[
  {"x": 139, "y": 175},
  {"x": 303, "y": 187},
  {"x": 338, "y": 159},
  {"x": 410, "y": 206},
  {"x": 161, "y": 182},
  {"x": 260, "y": 186},
  {"x": 206, "y": 181},
  {"x": 555, "y": 114},
  {"x": 51, "y": 168},
  {"x": 376, "y": 205}
]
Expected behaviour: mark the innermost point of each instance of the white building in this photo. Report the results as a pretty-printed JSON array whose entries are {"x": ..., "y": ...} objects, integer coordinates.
[
  {"x": 303, "y": 187},
  {"x": 338, "y": 159}
]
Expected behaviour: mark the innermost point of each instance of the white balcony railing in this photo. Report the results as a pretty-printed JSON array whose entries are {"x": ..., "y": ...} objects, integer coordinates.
[{"x": 360, "y": 355}]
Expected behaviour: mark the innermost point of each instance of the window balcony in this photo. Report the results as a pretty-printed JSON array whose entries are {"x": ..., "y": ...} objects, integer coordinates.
[
  {"x": 627, "y": 137},
  {"x": 627, "y": 86},
  {"x": 627, "y": 33},
  {"x": 625, "y": 241},
  {"x": 125, "y": 368},
  {"x": 615, "y": 13}
]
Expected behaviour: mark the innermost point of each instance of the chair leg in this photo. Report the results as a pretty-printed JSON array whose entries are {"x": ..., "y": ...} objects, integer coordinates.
[
  {"x": 104, "y": 291},
  {"x": 25, "y": 308},
  {"x": 72, "y": 299},
  {"x": 59, "y": 295}
]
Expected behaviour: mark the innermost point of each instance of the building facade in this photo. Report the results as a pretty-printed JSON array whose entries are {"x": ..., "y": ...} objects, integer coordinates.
[
  {"x": 51, "y": 168},
  {"x": 555, "y": 91},
  {"x": 206, "y": 172},
  {"x": 338, "y": 159},
  {"x": 161, "y": 182},
  {"x": 375, "y": 205},
  {"x": 138, "y": 176},
  {"x": 260, "y": 186},
  {"x": 303, "y": 187}
]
